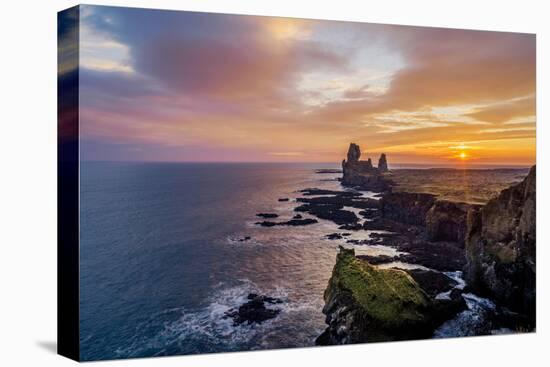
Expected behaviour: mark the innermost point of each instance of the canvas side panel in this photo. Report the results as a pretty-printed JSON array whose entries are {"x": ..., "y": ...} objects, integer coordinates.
[{"x": 68, "y": 183}]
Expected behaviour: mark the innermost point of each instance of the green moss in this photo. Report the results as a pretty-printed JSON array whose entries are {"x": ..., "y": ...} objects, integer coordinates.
[{"x": 389, "y": 297}]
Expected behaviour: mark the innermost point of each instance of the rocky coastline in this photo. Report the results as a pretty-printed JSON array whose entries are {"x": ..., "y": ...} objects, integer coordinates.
[
  {"x": 459, "y": 251},
  {"x": 493, "y": 244}
]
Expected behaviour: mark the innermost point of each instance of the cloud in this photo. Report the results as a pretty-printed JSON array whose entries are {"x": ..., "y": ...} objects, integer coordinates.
[
  {"x": 506, "y": 111},
  {"x": 448, "y": 67},
  {"x": 269, "y": 88}
]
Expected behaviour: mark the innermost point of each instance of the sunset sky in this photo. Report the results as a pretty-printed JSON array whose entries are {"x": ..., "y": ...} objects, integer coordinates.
[{"x": 180, "y": 86}]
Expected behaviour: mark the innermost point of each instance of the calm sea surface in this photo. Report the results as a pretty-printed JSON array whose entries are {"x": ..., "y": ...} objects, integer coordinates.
[{"x": 161, "y": 260}]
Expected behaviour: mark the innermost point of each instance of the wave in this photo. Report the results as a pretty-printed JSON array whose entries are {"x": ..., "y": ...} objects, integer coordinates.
[{"x": 183, "y": 331}]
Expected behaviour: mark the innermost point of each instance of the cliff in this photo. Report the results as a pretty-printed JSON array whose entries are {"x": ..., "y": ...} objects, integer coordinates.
[
  {"x": 367, "y": 304},
  {"x": 500, "y": 247},
  {"x": 362, "y": 174}
]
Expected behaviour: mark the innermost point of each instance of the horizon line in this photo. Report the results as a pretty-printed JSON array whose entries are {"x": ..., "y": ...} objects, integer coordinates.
[{"x": 435, "y": 165}]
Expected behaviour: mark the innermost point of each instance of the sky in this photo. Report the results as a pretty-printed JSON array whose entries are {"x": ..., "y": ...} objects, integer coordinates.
[{"x": 183, "y": 86}]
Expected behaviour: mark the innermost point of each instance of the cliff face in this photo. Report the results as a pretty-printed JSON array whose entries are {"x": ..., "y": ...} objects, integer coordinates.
[
  {"x": 447, "y": 221},
  {"x": 363, "y": 174},
  {"x": 500, "y": 247},
  {"x": 406, "y": 207},
  {"x": 366, "y": 304}
]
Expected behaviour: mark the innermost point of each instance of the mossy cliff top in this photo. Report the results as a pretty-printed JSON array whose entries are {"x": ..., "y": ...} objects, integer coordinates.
[{"x": 390, "y": 297}]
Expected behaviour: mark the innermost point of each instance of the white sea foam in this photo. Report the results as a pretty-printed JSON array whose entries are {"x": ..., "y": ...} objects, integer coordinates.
[
  {"x": 209, "y": 328},
  {"x": 402, "y": 265}
]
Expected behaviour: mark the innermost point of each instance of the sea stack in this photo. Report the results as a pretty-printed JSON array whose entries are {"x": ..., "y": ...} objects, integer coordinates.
[
  {"x": 362, "y": 174},
  {"x": 354, "y": 153},
  {"x": 383, "y": 163}
]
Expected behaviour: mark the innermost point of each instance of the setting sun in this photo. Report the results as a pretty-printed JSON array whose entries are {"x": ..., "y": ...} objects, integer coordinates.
[{"x": 462, "y": 155}]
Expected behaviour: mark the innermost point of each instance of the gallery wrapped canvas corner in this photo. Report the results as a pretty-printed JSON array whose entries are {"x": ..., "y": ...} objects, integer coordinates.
[{"x": 235, "y": 183}]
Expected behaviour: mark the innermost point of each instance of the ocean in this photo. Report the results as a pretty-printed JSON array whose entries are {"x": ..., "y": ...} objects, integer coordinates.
[{"x": 163, "y": 257}]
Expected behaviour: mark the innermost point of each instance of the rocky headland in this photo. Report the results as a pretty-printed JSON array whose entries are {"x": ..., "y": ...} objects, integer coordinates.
[
  {"x": 366, "y": 304},
  {"x": 444, "y": 255},
  {"x": 493, "y": 244}
]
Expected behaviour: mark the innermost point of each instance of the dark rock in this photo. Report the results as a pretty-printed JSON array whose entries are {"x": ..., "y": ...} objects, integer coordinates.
[
  {"x": 246, "y": 238},
  {"x": 337, "y": 236},
  {"x": 362, "y": 174},
  {"x": 266, "y": 223},
  {"x": 383, "y": 163},
  {"x": 292, "y": 222},
  {"x": 351, "y": 227},
  {"x": 354, "y": 153},
  {"x": 329, "y": 212},
  {"x": 284, "y": 199},
  {"x": 412, "y": 241},
  {"x": 366, "y": 304},
  {"x": 446, "y": 221},
  {"x": 369, "y": 213},
  {"x": 329, "y": 204},
  {"x": 254, "y": 311},
  {"x": 432, "y": 282},
  {"x": 297, "y": 216},
  {"x": 300, "y": 222},
  {"x": 405, "y": 207},
  {"x": 267, "y": 215},
  {"x": 500, "y": 247},
  {"x": 441, "y": 256}
]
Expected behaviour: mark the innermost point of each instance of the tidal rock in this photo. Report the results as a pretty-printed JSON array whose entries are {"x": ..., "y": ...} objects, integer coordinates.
[
  {"x": 500, "y": 247},
  {"x": 329, "y": 204},
  {"x": 254, "y": 310},
  {"x": 337, "y": 236},
  {"x": 300, "y": 222},
  {"x": 351, "y": 227},
  {"x": 283, "y": 199},
  {"x": 334, "y": 236},
  {"x": 267, "y": 215},
  {"x": 292, "y": 222}
]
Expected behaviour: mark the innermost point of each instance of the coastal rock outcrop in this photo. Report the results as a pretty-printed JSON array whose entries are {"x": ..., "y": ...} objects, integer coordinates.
[
  {"x": 354, "y": 153},
  {"x": 254, "y": 310},
  {"x": 367, "y": 304},
  {"x": 363, "y": 174},
  {"x": 500, "y": 247},
  {"x": 383, "y": 163},
  {"x": 405, "y": 207},
  {"x": 446, "y": 221},
  {"x": 330, "y": 204}
]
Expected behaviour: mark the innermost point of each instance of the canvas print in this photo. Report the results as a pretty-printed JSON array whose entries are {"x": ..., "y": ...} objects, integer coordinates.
[{"x": 236, "y": 183}]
